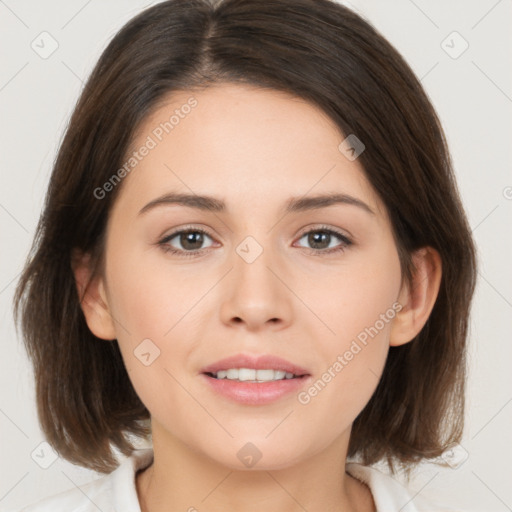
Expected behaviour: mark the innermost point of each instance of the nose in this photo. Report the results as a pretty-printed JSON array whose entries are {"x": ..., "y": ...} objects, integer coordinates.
[{"x": 256, "y": 295}]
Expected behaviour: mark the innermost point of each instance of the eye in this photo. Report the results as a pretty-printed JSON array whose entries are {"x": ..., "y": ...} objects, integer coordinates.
[
  {"x": 189, "y": 242},
  {"x": 185, "y": 242},
  {"x": 322, "y": 240}
]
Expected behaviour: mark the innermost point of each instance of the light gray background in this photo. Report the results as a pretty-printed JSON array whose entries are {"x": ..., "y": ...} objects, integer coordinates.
[{"x": 473, "y": 96}]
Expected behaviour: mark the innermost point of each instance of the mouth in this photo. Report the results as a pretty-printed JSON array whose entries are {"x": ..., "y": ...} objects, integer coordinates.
[
  {"x": 252, "y": 375},
  {"x": 252, "y": 379},
  {"x": 254, "y": 368}
]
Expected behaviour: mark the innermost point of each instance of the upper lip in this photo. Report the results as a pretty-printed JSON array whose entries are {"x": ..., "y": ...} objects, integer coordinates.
[{"x": 258, "y": 362}]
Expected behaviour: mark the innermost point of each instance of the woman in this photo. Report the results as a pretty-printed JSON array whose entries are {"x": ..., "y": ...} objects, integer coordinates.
[{"x": 254, "y": 252}]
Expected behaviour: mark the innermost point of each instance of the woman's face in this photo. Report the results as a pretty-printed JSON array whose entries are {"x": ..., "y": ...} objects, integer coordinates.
[{"x": 316, "y": 286}]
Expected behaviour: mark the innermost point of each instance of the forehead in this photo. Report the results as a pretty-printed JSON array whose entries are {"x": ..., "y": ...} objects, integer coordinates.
[{"x": 238, "y": 141}]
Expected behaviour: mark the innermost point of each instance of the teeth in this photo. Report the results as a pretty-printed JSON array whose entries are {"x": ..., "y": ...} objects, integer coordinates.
[{"x": 252, "y": 375}]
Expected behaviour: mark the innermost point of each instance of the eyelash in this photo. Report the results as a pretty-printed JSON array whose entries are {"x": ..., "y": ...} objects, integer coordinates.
[{"x": 164, "y": 243}]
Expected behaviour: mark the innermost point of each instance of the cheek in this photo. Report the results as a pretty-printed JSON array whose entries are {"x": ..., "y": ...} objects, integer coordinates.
[
  {"x": 350, "y": 299},
  {"x": 150, "y": 295},
  {"x": 155, "y": 307},
  {"x": 358, "y": 304}
]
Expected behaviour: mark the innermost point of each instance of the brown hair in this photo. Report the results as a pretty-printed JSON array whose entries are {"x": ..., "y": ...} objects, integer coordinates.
[{"x": 317, "y": 50}]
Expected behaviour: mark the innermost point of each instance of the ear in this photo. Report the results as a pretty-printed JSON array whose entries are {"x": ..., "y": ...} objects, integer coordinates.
[
  {"x": 92, "y": 296},
  {"x": 418, "y": 297}
]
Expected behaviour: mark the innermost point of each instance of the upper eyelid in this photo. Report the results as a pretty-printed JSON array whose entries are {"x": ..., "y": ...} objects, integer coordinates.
[{"x": 336, "y": 231}]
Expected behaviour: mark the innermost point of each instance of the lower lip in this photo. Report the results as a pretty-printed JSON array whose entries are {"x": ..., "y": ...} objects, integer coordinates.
[{"x": 256, "y": 393}]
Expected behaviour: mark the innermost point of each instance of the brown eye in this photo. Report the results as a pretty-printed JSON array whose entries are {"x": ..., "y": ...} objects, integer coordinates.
[
  {"x": 191, "y": 240},
  {"x": 185, "y": 241},
  {"x": 324, "y": 240}
]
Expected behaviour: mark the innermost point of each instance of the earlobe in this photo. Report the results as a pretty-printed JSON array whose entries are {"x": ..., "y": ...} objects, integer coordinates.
[
  {"x": 92, "y": 297},
  {"x": 418, "y": 297}
]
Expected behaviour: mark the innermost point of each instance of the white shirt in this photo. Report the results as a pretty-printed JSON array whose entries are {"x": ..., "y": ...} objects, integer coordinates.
[{"x": 116, "y": 492}]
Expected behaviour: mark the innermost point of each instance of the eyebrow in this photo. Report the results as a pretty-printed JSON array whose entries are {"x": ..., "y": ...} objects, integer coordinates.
[{"x": 295, "y": 204}]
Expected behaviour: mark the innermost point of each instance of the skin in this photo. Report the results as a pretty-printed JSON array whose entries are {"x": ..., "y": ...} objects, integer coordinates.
[{"x": 254, "y": 149}]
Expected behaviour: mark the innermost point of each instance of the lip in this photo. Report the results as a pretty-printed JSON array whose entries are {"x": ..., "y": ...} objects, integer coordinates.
[
  {"x": 258, "y": 362},
  {"x": 256, "y": 393}
]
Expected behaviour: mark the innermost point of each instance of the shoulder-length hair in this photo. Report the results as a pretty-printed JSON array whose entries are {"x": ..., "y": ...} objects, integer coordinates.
[{"x": 317, "y": 50}]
